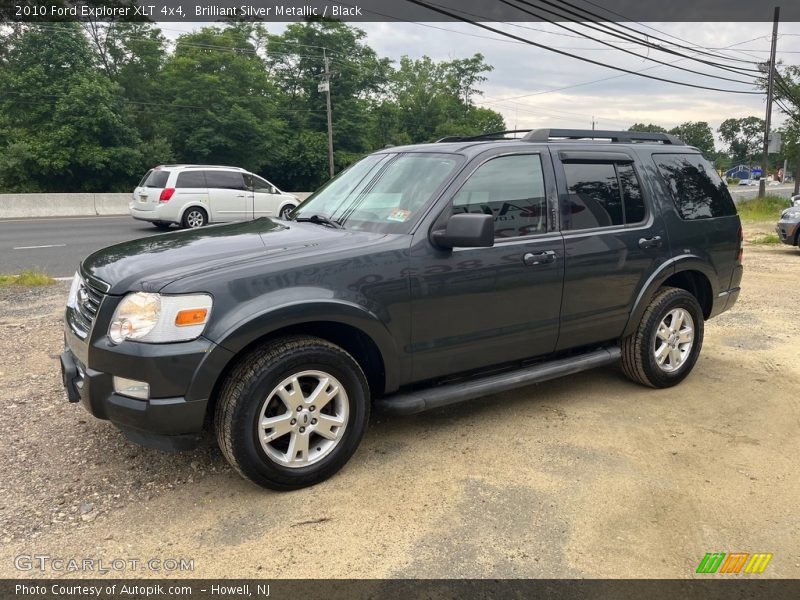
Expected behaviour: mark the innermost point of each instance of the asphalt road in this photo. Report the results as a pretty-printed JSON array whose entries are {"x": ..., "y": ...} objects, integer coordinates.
[
  {"x": 56, "y": 245},
  {"x": 740, "y": 192}
]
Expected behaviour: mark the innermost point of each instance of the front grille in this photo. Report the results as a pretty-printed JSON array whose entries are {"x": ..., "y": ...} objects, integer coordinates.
[{"x": 83, "y": 313}]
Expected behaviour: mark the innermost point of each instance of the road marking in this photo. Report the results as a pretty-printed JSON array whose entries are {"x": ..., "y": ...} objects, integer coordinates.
[
  {"x": 64, "y": 278},
  {"x": 64, "y": 218},
  {"x": 36, "y": 247}
]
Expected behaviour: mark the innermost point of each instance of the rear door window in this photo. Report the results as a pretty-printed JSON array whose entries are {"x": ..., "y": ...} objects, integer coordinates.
[
  {"x": 225, "y": 180},
  {"x": 602, "y": 194},
  {"x": 156, "y": 179},
  {"x": 696, "y": 189},
  {"x": 191, "y": 179}
]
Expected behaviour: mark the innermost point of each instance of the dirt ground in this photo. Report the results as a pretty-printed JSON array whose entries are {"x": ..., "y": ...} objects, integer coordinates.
[{"x": 588, "y": 476}]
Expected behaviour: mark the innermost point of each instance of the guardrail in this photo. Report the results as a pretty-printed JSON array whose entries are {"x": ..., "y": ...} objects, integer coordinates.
[{"x": 20, "y": 206}]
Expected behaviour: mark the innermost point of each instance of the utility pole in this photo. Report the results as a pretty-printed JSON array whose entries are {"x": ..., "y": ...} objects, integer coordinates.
[
  {"x": 762, "y": 184},
  {"x": 327, "y": 88},
  {"x": 592, "y": 122}
]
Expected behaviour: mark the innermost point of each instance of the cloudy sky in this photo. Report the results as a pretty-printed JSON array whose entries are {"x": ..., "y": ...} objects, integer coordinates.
[{"x": 524, "y": 85}]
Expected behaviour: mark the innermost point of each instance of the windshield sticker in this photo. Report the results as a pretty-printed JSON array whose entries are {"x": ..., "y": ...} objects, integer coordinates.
[{"x": 399, "y": 215}]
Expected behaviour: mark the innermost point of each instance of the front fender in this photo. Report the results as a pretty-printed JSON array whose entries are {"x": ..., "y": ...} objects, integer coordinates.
[
  {"x": 684, "y": 262},
  {"x": 236, "y": 333}
]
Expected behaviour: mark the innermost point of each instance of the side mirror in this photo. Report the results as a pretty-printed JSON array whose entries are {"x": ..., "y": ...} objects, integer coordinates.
[{"x": 466, "y": 230}]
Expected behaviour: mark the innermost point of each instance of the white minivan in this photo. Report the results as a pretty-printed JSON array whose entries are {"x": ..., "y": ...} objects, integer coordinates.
[{"x": 194, "y": 195}]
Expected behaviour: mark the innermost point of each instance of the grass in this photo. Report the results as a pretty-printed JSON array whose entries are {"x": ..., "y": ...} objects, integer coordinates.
[
  {"x": 766, "y": 238},
  {"x": 767, "y": 208},
  {"x": 26, "y": 279}
]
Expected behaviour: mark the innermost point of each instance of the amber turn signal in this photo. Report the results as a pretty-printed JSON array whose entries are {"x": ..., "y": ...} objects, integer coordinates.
[{"x": 191, "y": 316}]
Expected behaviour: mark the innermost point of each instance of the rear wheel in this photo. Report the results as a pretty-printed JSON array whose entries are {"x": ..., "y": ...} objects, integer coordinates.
[
  {"x": 292, "y": 413},
  {"x": 194, "y": 217},
  {"x": 665, "y": 346}
]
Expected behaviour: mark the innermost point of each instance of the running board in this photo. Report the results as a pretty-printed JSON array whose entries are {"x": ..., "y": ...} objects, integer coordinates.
[{"x": 435, "y": 397}]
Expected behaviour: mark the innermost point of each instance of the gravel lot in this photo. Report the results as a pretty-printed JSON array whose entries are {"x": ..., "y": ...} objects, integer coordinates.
[{"x": 572, "y": 478}]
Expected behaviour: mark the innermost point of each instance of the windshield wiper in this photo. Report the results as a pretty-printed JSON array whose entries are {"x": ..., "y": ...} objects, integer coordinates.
[{"x": 320, "y": 220}]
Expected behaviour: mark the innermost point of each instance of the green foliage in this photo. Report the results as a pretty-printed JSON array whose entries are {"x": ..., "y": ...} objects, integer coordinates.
[
  {"x": 26, "y": 279},
  {"x": 765, "y": 239},
  {"x": 743, "y": 137},
  {"x": 650, "y": 128},
  {"x": 767, "y": 208},
  {"x": 697, "y": 134},
  {"x": 91, "y": 107}
]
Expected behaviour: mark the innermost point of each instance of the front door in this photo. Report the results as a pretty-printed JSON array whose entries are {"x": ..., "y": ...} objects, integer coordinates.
[{"x": 476, "y": 307}]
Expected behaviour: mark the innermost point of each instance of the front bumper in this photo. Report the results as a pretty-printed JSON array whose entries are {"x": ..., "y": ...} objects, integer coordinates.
[
  {"x": 181, "y": 378},
  {"x": 787, "y": 231}
]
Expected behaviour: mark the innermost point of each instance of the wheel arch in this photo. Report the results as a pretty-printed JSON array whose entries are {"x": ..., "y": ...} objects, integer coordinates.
[
  {"x": 686, "y": 272},
  {"x": 190, "y": 205}
]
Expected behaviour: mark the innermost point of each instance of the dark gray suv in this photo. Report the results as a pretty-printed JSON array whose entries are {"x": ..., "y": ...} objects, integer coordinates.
[{"x": 421, "y": 276}]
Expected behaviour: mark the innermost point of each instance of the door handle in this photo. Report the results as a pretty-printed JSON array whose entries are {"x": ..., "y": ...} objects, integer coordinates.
[
  {"x": 539, "y": 258},
  {"x": 653, "y": 242},
  {"x": 240, "y": 195}
]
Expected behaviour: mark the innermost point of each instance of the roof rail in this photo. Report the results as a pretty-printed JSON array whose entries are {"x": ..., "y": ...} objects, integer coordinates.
[
  {"x": 621, "y": 137},
  {"x": 491, "y": 135}
]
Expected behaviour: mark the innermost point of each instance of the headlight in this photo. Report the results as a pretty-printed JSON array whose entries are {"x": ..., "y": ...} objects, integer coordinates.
[
  {"x": 154, "y": 318},
  {"x": 790, "y": 213}
]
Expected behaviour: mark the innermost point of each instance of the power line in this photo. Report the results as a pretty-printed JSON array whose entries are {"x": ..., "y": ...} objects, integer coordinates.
[
  {"x": 581, "y": 58},
  {"x": 625, "y": 50}
]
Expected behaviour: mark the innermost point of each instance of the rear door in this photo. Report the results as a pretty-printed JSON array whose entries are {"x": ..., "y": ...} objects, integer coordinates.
[
  {"x": 228, "y": 197},
  {"x": 613, "y": 241},
  {"x": 190, "y": 189}
]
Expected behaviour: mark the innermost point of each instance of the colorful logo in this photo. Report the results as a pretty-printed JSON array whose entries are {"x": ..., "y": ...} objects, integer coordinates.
[{"x": 734, "y": 563}]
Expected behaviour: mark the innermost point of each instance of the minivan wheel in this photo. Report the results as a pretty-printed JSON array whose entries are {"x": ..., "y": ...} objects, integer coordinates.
[
  {"x": 292, "y": 412},
  {"x": 284, "y": 214},
  {"x": 193, "y": 218},
  {"x": 664, "y": 348}
]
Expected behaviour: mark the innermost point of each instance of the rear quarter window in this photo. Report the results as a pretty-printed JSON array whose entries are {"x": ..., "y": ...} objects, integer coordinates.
[
  {"x": 696, "y": 189},
  {"x": 191, "y": 179}
]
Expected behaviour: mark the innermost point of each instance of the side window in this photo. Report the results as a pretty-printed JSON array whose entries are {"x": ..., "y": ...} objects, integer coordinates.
[
  {"x": 603, "y": 194},
  {"x": 226, "y": 180},
  {"x": 511, "y": 188},
  {"x": 632, "y": 198},
  {"x": 697, "y": 190},
  {"x": 261, "y": 185},
  {"x": 191, "y": 179}
]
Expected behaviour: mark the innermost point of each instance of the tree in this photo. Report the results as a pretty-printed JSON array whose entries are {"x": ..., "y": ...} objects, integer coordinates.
[
  {"x": 65, "y": 127},
  {"x": 647, "y": 128},
  {"x": 743, "y": 137},
  {"x": 697, "y": 134}
]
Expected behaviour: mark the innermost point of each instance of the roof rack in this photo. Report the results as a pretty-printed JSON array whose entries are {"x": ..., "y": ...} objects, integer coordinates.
[
  {"x": 620, "y": 137},
  {"x": 492, "y": 135}
]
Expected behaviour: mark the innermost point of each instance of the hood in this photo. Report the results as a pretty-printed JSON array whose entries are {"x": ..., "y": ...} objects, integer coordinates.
[{"x": 153, "y": 262}]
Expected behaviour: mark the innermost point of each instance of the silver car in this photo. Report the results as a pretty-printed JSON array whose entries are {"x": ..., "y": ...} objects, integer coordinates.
[{"x": 788, "y": 227}]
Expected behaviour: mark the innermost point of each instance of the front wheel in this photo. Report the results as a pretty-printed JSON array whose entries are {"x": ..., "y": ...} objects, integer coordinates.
[
  {"x": 285, "y": 211},
  {"x": 666, "y": 344},
  {"x": 292, "y": 413}
]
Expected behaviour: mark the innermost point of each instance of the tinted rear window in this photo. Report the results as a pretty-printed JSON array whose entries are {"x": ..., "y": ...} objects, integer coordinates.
[
  {"x": 156, "y": 179},
  {"x": 226, "y": 180},
  {"x": 697, "y": 190},
  {"x": 191, "y": 179}
]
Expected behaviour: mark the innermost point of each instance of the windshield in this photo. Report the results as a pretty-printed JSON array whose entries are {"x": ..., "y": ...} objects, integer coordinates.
[{"x": 384, "y": 192}]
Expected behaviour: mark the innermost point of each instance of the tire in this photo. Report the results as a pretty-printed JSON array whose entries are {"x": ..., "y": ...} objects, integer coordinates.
[
  {"x": 194, "y": 217},
  {"x": 284, "y": 213},
  {"x": 161, "y": 225},
  {"x": 250, "y": 395},
  {"x": 639, "y": 350}
]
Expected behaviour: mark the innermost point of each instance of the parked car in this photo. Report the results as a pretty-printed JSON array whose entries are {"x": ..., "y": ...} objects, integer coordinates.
[
  {"x": 420, "y": 277},
  {"x": 195, "y": 195},
  {"x": 788, "y": 226}
]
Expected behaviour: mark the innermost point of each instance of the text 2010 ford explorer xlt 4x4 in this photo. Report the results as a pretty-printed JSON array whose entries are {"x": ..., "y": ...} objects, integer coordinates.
[{"x": 421, "y": 276}]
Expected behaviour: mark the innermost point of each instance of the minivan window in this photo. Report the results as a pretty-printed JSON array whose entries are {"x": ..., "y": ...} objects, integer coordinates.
[
  {"x": 191, "y": 179},
  {"x": 225, "y": 180},
  {"x": 697, "y": 190},
  {"x": 156, "y": 179},
  {"x": 511, "y": 189},
  {"x": 255, "y": 183}
]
